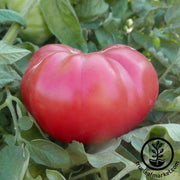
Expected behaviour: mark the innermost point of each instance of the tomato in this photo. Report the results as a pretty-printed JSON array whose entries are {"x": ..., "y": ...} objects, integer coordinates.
[
  {"x": 37, "y": 31},
  {"x": 91, "y": 97}
]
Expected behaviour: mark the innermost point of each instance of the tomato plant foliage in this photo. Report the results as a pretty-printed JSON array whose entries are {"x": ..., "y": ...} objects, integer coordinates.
[{"x": 149, "y": 26}]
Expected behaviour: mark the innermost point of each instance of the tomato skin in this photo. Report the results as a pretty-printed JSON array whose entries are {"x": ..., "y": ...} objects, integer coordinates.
[
  {"x": 36, "y": 31},
  {"x": 91, "y": 97}
]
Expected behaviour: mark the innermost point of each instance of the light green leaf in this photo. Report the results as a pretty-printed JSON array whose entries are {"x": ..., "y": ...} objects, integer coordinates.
[
  {"x": 8, "y": 75},
  {"x": 100, "y": 159},
  {"x": 10, "y": 139},
  {"x": 105, "y": 154},
  {"x": 165, "y": 51},
  {"x": 168, "y": 100},
  {"x": 25, "y": 123},
  {"x": 63, "y": 22},
  {"x": 77, "y": 153},
  {"x": 13, "y": 162},
  {"x": 10, "y": 54},
  {"x": 98, "y": 155},
  {"x": 138, "y": 137},
  {"x": 11, "y": 16},
  {"x": 54, "y": 175},
  {"x": 49, "y": 154}
]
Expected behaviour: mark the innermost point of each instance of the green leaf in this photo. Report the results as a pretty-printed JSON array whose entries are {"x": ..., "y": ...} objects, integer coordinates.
[
  {"x": 144, "y": 40},
  {"x": 138, "y": 5},
  {"x": 9, "y": 139},
  {"x": 10, "y": 54},
  {"x": 36, "y": 171},
  {"x": 49, "y": 154},
  {"x": 29, "y": 177},
  {"x": 8, "y": 75},
  {"x": 127, "y": 153},
  {"x": 33, "y": 133},
  {"x": 4, "y": 120},
  {"x": 120, "y": 9},
  {"x": 77, "y": 153},
  {"x": 138, "y": 137},
  {"x": 168, "y": 100},
  {"x": 173, "y": 14},
  {"x": 13, "y": 162},
  {"x": 25, "y": 123},
  {"x": 63, "y": 22},
  {"x": 92, "y": 47},
  {"x": 2, "y": 95},
  {"x": 11, "y": 16},
  {"x": 165, "y": 51},
  {"x": 109, "y": 33},
  {"x": 146, "y": 13},
  {"x": 105, "y": 38},
  {"x": 98, "y": 156},
  {"x": 106, "y": 154},
  {"x": 29, "y": 46},
  {"x": 54, "y": 175},
  {"x": 136, "y": 175},
  {"x": 91, "y": 12},
  {"x": 101, "y": 159}
]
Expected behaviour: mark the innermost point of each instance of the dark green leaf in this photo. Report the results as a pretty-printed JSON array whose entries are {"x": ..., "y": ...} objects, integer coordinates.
[
  {"x": 106, "y": 38},
  {"x": 92, "y": 47},
  {"x": 49, "y": 154},
  {"x": 91, "y": 12},
  {"x": 32, "y": 133},
  {"x": 127, "y": 153},
  {"x": 29, "y": 46},
  {"x": 63, "y": 22},
  {"x": 120, "y": 9},
  {"x": 29, "y": 177}
]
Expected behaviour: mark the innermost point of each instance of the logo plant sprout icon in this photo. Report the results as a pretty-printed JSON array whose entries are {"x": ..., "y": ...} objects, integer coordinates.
[{"x": 157, "y": 154}]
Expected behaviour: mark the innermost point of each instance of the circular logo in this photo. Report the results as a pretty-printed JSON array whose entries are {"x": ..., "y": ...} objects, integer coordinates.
[{"x": 157, "y": 153}]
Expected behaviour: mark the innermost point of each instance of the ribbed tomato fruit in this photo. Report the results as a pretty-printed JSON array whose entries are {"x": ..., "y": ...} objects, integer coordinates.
[{"x": 91, "y": 97}]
